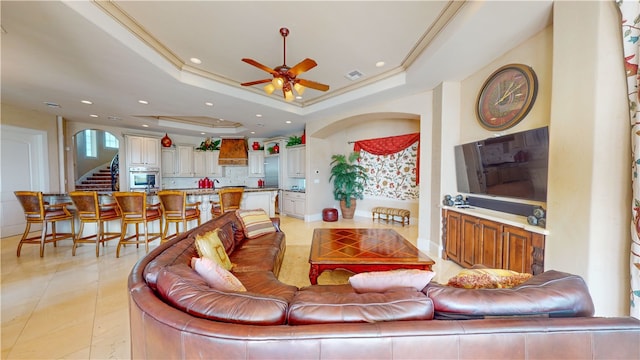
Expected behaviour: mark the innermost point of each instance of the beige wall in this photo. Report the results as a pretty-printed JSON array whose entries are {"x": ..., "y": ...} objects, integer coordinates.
[
  {"x": 32, "y": 119},
  {"x": 590, "y": 181}
]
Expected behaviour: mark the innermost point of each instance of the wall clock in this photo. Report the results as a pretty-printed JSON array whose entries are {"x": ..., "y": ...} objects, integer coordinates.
[{"x": 506, "y": 97}]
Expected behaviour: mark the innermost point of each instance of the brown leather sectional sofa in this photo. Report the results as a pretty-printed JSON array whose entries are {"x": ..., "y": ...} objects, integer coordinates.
[{"x": 175, "y": 314}]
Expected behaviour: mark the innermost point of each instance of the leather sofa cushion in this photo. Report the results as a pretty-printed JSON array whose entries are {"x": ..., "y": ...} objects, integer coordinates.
[
  {"x": 552, "y": 293},
  {"x": 322, "y": 304},
  {"x": 181, "y": 287},
  {"x": 247, "y": 259},
  {"x": 180, "y": 252},
  {"x": 266, "y": 283}
]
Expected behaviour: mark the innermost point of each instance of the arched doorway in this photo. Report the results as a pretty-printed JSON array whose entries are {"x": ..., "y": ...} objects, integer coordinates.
[{"x": 96, "y": 160}]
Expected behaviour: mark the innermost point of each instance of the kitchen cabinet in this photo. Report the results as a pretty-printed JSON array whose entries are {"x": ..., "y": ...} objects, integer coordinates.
[
  {"x": 205, "y": 164},
  {"x": 294, "y": 203},
  {"x": 143, "y": 151},
  {"x": 255, "y": 164},
  {"x": 296, "y": 161},
  {"x": 185, "y": 161},
  {"x": 469, "y": 240},
  {"x": 169, "y": 162}
]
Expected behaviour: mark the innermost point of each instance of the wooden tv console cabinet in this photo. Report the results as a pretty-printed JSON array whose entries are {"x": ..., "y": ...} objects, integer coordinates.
[{"x": 479, "y": 237}]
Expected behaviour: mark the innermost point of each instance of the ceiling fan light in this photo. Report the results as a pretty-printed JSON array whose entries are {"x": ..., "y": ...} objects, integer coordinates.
[
  {"x": 277, "y": 82},
  {"x": 299, "y": 88},
  {"x": 269, "y": 88},
  {"x": 288, "y": 95}
]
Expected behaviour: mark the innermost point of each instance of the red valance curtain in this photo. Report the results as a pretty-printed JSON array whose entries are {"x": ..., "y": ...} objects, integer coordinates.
[{"x": 390, "y": 145}]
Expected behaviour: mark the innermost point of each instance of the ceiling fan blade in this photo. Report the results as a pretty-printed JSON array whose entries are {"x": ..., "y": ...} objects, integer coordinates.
[
  {"x": 301, "y": 67},
  {"x": 312, "y": 84},
  {"x": 256, "y": 82},
  {"x": 258, "y": 65}
]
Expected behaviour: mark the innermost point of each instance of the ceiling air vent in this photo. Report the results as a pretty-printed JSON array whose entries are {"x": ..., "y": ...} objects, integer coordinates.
[{"x": 354, "y": 75}]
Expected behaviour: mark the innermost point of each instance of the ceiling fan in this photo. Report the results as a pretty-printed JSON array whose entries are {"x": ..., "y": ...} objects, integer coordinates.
[{"x": 285, "y": 77}]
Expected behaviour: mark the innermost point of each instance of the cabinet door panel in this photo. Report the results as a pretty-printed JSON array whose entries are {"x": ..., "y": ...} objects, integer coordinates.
[
  {"x": 518, "y": 250},
  {"x": 470, "y": 235},
  {"x": 169, "y": 163},
  {"x": 452, "y": 235},
  {"x": 256, "y": 164},
  {"x": 489, "y": 246}
]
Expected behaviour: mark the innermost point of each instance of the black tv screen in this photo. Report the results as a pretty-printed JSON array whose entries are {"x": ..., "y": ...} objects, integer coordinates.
[{"x": 514, "y": 165}]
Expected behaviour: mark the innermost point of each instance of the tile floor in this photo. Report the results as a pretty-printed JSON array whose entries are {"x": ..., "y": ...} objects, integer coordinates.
[{"x": 69, "y": 307}]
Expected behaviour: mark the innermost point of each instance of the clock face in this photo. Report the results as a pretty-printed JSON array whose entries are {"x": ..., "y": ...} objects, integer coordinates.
[{"x": 506, "y": 97}]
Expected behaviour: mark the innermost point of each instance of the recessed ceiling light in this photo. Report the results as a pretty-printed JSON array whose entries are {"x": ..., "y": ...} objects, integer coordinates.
[
  {"x": 253, "y": 132},
  {"x": 221, "y": 119},
  {"x": 298, "y": 97},
  {"x": 86, "y": 102},
  {"x": 258, "y": 115},
  {"x": 93, "y": 115},
  {"x": 380, "y": 64},
  {"x": 145, "y": 125},
  {"x": 209, "y": 103},
  {"x": 288, "y": 121},
  {"x": 195, "y": 60},
  {"x": 144, "y": 102},
  {"x": 202, "y": 133}
]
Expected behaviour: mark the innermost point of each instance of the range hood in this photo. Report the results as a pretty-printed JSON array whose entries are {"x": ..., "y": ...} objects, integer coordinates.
[{"x": 233, "y": 152}]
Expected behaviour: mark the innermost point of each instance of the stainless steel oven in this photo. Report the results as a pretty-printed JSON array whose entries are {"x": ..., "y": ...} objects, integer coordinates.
[{"x": 145, "y": 178}]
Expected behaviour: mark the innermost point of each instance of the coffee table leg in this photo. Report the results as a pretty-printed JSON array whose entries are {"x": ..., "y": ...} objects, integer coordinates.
[{"x": 313, "y": 274}]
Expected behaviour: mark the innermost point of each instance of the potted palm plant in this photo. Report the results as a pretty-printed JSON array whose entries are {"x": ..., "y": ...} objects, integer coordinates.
[{"x": 348, "y": 181}]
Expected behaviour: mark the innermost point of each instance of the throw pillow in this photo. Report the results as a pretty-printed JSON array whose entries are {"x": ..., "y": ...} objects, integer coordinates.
[
  {"x": 210, "y": 246},
  {"x": 381, "y": 281},
  {"x": 255, "y": 223},
  {"x": 488, "y": 279},
  {"x": 215, "y": 275}
]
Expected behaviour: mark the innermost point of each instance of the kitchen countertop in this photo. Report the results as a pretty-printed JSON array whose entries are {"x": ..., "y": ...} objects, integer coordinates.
[{"x": 189, "y": 191}]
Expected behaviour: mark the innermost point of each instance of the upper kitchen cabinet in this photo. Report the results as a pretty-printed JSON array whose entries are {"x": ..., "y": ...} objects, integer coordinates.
[
  {"x": 205, "y": 164},
  {"x": 256, "y": 164},
  {"x": 143, "y": 151},
  {"x": 169, "y": 162},
  {"x": 185, "y": 161},
  {"x": 296, "y": 161}
]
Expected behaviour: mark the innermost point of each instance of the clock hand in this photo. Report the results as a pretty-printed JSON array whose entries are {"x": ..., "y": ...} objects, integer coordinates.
[
  {"x": 508, "y": 92},
  {"x": 504, "y": 96}
]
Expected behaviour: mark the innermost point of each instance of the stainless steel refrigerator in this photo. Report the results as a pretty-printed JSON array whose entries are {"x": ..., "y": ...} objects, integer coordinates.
[
  {"x": 272, "y": 176},
  {"x": 271, "y": 171}
]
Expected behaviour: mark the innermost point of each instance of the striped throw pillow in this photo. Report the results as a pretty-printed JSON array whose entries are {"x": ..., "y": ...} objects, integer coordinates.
[{"x": 255, "y": 223}]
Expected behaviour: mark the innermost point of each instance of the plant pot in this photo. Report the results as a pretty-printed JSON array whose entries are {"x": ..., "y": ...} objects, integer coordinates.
[{"x": 347, "y": 213}]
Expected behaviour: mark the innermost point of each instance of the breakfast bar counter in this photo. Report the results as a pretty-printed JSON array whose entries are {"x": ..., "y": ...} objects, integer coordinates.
[{"x": 252, "y": 198}]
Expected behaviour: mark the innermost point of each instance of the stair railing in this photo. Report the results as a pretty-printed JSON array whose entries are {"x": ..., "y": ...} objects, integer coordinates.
[{"x": 115, "y": 172}]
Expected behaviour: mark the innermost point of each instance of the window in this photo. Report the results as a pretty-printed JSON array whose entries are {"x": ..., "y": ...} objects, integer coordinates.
[
  {"x": 90, "y": 150},
  {"x": 110, "y": 141}
]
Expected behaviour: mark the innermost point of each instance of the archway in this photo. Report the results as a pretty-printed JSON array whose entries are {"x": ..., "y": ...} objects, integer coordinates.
[{"x": 95, "y": 160}]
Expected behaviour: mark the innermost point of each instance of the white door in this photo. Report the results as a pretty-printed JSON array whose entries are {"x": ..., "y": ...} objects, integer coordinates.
[{"x": 24, "y": 167}]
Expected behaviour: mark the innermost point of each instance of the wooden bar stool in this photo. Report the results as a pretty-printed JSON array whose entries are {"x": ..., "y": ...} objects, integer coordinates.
[
  {"x": 90, "y": 211},
  {"x": 37, "y": 211},
  {"x": 175, "y": 209},
  {"x": 135, "y": 211},
  {"x": 229, "y": 200}
]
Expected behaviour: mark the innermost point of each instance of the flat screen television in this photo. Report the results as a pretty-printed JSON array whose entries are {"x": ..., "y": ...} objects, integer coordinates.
[{"x": 512, "y": 166}]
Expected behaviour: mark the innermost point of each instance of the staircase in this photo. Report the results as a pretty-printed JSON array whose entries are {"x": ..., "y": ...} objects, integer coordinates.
[{"x": 100, "y": 180}]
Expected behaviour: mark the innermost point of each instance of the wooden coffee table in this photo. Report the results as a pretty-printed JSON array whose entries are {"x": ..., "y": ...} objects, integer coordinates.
[{"x": 362, "y": 250}]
